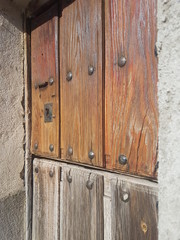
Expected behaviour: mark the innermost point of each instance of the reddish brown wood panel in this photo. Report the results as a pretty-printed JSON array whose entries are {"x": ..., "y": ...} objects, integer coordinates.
[
  {"x": 44, "y": 65},
  {"x": 131, "y": 112},
  {"x": 81, "y": 96}
]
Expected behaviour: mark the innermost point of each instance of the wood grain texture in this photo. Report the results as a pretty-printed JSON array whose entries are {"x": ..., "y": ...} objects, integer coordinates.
[
  {"x": 137, "y": 218},
  {"x": 46, "y": 200},
  {"x": 82, "y": 208},
  {"x": 44, "y": 65},
  {"x": 81, "y": 98},
  {"x": 131, "y": 112}
]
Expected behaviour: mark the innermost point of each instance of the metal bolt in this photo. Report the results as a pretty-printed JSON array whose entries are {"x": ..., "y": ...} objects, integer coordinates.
[
  {"x": 35, "y": 146},
  {"x": 51, "y": 147},
  {"x": 121, "y": 61},
  {"x": 125, "y": 196},
  {"x": 91, "y": 70},
  {"x": 122, "y": 159},
  {"x": 89, "y": 184},
  {"x": 69, "y": 76},
  {"x": 69, "y": 178},
  {"x": 91, "y": 154},
  {"x": 70, "y": 151},
  {"x": 51, "y": 80},
  {"x": 51, "y": 173},
  {"x": 36, "y": 169}
]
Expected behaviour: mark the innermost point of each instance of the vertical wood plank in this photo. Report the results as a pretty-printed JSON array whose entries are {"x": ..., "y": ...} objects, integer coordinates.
[
  {"x": 81, "y": 97},
  {"x": 82, "y": 207},
  {"x": 46, "y": 200},
  {"x": 44, "y": 66},
  {"x": 131, "y": 112},
  {"x": 136, "y": 218}
]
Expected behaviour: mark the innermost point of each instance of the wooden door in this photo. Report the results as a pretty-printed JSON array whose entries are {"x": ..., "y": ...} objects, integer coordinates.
[
  {"x": 46, "y": 200},
  {"x": 81, "y": 81},
  {"x": 81, "y": 205},
  {"x": 45, "y": 84},
  {"x": 131, "y": 113}
]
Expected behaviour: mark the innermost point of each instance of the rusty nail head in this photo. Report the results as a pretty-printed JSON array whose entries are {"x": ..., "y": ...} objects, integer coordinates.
[
  {"x": 122, "y": 159},
  {"x": 51, "y": 147},
  {"x": 36, "y": 169},
  {"x": 69, "y": 76},
  {"x": 51, "y": 173},
  {"x": 89, "y": 184},
  {"x": 121, "y": 61},
  {"x": 35, "y": 146},
  {"x": 51, "y": 80}
]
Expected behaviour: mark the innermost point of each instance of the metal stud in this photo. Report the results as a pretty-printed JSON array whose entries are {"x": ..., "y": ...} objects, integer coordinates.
[
  {"x": 51, "y": 81},
  {"x": 51, "y": 147},
  {"x": 51, "y": 173},
  {"x": 70, "y": 151},
  {"x": 125, "y": 196},
  {"x": 36, "y": 169},
  {"x": 91, "y": 70},
  {"x": 121, "y": 61},
  {"x": 91, "y": 154},
  {"x": 122, "y": 159},
  {"x": 69, "y": 178},
  {"x": 36, "y": 86},
  {"x": 69, "y": 76},
  {"x": 35, "y": 146},
  {"x": 89, "y": 184}
]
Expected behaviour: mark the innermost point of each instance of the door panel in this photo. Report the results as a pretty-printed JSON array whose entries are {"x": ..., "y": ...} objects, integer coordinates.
[
  {"x": 82, "y": 205},
  {"x": 46, "y": 200},
  {"x": 45, "y": 84},
  {"x": 134, "y": 211},
  {"x": 81, "y": 93},
  {"x": 131, "y": 112}
]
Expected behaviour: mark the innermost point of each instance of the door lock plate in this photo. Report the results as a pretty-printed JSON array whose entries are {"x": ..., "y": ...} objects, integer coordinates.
[{"x": 48, "y": 112}]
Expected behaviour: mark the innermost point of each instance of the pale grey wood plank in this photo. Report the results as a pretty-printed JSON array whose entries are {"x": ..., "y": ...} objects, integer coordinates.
[
  {"x": 135, "y": 218},
  {"x": 82, "y": 208},
  {"x": 46, "y": 195}
]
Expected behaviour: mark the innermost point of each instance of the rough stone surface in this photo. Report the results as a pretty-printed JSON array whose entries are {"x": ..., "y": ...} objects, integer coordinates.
[
  {"x": 11, "y": 98},
  {"x": 169, "y": 108},
  {"x": 12, "y": 217}
]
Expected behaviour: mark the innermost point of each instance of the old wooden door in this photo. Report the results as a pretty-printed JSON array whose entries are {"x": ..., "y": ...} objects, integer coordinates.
[
  {"x": 45, "y": 84},
  {"x": 131, "y": 115},
  {"x": 81, "y": 85}
]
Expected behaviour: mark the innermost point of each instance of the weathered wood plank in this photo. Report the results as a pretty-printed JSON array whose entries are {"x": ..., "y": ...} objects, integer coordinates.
[
  {"x": 131, "y": 112},
  {"x": 46, "y": 200},
  {"x": 82, "y": 208},
  {"x": 136, "y": 217},
  {"x": 81, "y": 97},
  {"x": 44, "y": 66}
]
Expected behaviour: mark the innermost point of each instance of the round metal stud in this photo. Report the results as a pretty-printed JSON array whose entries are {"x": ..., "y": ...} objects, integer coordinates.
[
  {"x": 121, "y": 61},
  {"x": 35, "y": 146},
  {"x": 91, "y": 154},
  {"x": 91, "y": 70},
  {"x": 36, "y": 86},
  {"x": 69, "y": 178},
  {"x": 36, "y": 170},
  {"x": 122, "y": 159},
  {"x": 89, "y": 184},
  {"x": 51, "y": 147},
  {"x": 51, "y": 173},
  {"x": 69, "y": 76},
  {"x": 70, "y": 151},
  {"x": 51, "y": 81}
]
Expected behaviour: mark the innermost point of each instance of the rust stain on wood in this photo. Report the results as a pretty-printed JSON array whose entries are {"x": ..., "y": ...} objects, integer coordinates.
[
  {"x": 81, "y": 97},
  {"x": 131, "y": 109},
  {"x": 44, "y": 65}
]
